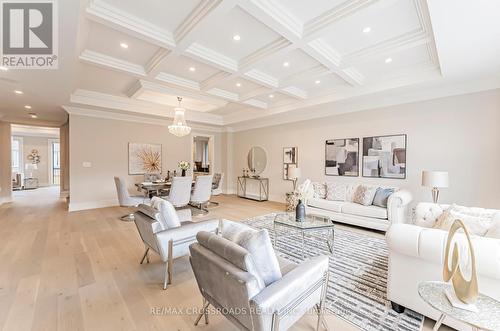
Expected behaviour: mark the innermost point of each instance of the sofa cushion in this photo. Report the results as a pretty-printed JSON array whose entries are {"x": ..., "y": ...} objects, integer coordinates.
[
  {"x": 326, "y": 204},
  {"x": 426, "y": 214},
  {"x": 477, "y": 220},
  {"x": 367, "y": 211},
  {"x": 494, "y": 230},
  {"x": 336, "y": 191},
  {"x": 382, "y": 196},
  {"x": 319, "y": 190},
  {"x": 364, "y": 195}
]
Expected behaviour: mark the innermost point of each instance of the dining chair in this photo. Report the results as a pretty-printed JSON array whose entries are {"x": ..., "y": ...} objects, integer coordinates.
[
  {"x": 202, "y": 192},
  {"x": 125, "y": 199},
  {"x": 180, "y": 191},
  {"x": 217, "y": 186}
]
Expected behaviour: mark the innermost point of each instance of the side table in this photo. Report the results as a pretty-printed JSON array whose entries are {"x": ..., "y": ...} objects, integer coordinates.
[
  {"x": 487, "y": 318},
  {"x": 30, "y": 183}
]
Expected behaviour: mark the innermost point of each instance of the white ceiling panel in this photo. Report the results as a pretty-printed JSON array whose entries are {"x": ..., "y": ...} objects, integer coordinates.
[
  {"x": 238, "y": 85},
  {"x": 386, "y": 19},
  {"x": 166, "y": 14},
  {"x": 108, "y": 41},
  {"x": 219, "y": 35},
  {"x": 297, "y": 61},
  {"x": 99, "y": 79},
  {"x": 180, "y": 66},
  {"x": 304, "y": 10},
  {"x": 171, "y": 100}
]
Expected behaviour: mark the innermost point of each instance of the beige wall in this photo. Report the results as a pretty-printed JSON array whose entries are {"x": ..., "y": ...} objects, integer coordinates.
[
  {"x": 5, "y": 163},
  {"x": 104, "y": 143},
  {"x": 459, "y": 134}
]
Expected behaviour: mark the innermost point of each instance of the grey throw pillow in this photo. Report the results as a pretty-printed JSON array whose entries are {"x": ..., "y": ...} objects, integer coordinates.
[
  {"x": 364, "y": 195},
  {"x": 382, "y": 196}
]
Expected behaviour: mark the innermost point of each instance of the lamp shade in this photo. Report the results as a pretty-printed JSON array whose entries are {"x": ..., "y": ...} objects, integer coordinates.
[
  {"x": 31, "y": 166},
  {"x": 293, "y": 172},
  {"x": 435, "y": 178}
]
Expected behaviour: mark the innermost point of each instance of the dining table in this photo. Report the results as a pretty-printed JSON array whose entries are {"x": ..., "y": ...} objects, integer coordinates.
[{"x": 154, "y": 188}]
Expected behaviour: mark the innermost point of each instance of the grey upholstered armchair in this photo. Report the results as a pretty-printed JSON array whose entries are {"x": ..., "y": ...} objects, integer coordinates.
[
  {"x": 168, "y": 232},
  {"x": 223, "y": 270}
]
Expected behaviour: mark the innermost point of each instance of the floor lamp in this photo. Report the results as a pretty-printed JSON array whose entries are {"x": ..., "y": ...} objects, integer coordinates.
[{"x": 436, "y": 180}]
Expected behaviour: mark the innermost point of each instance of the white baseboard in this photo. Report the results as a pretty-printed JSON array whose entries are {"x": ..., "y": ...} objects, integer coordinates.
[{"x": 76, "y": 206}]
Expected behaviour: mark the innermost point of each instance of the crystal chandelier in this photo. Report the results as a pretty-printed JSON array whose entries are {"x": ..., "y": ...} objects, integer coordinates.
[{"x": 179, "y": 127}]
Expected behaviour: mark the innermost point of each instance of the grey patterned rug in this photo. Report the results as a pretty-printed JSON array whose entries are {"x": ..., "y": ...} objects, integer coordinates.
[{"x": 358, "y": 275}]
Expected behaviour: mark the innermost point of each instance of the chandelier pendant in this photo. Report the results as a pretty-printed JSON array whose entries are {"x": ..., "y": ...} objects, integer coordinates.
[{"x": 179, "y": 127}]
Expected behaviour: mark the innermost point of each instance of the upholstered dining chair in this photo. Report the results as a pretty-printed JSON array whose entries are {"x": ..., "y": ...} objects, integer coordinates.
[
  {"x": 202, "y": 192},
  {"x": 180, "y": 191},
  {"x": 168, "y": 232},
  {"x": 217, "y": 186},
  {"x": 228, "y": 279},
  {"x": 125, "y": 199}
]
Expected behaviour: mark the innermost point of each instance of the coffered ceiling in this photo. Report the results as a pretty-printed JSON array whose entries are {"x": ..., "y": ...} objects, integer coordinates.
[{"x": 236, "y": 61}]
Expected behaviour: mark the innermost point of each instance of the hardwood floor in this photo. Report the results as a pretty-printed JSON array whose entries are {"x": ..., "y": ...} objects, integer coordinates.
[{"x": 81, "y": 271}]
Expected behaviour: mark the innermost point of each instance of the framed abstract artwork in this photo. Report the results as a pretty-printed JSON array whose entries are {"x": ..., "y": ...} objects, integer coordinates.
[
  {"x": 385, "y": 156},
  {"x": 290, "y": 157},
  {"x": 144, "y": 159},
  {"x": 341, "y": 157}
]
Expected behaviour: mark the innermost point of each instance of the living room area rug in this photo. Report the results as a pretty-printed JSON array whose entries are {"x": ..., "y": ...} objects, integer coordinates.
[{"x": 358, "y": 274}]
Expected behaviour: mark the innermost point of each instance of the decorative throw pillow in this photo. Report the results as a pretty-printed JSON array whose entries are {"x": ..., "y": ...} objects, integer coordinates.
[
  {"x": 319, "y": 190},
  {"x": 168, "y": 215},
  {"x": 382, "y": 196},
  {"x": 477, "y": 220},
  {"x": 364, "y": 195},
  {"x": 494, "y": 230},
  {"x": 336, "y": 192}
]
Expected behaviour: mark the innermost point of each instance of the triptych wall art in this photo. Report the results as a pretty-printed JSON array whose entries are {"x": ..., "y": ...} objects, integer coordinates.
[
  {"x": 290, "y": 158},
  {"x": 383, "y": 157}
]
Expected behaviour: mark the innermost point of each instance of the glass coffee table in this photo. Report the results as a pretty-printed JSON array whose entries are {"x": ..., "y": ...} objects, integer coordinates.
[{"x": 311, "y": 223}]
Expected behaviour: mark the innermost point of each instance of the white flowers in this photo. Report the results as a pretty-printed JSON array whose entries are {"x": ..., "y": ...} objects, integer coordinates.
[
  {"x": 304, "y": 191},
  {"x": 184, "y": 165}
]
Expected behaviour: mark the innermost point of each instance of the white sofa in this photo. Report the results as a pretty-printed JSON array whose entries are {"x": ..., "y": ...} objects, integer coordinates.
[
  {"x": 416, "y": 254},
  {"x": 373, "y": 217}
]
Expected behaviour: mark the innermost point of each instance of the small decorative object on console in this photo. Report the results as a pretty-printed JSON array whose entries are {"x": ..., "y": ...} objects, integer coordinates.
[{"x": 465, "y": 292}]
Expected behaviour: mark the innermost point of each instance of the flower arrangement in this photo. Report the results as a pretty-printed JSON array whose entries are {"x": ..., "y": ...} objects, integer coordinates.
[
  {"x": 304, "y": 191},
  {"x": 184, "y": 165}
]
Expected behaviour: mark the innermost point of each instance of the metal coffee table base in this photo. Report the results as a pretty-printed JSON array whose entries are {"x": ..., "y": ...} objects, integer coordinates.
[{"x": 329, "y": 242}]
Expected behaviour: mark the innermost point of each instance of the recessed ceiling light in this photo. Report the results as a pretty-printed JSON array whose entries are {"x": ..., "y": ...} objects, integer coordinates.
[
  {"x": 388, "y": 60},
  {"x": 286, "y": 64},
  {"x": 27, "y": 107},
  {"x": 367, "y": 29},
  {"x": 271, "y": 96},
  {"x": 317, "y": 82},
  {"x": 238, "y": 84},
  {"x": 192, "y": 69},
  {"x": 18, "y": 92},
  {"x": 124, "y": 45},
  {"x": 236, "y": 37},
  {"x": 4, "y": 68},
  {"x": 33, "y": 115}
]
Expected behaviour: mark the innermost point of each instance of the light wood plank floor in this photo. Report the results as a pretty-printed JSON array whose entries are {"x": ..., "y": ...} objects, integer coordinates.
[{"x": 81, "y": 271}]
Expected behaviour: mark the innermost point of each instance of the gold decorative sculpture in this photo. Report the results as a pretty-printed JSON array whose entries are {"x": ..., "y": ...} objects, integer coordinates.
[{"x": 465, "y": 290}]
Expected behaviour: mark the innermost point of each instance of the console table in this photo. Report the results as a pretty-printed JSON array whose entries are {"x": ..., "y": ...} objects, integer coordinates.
[
  {"x": 30, "y": 183},
  {"x": 263, "y": 188}
]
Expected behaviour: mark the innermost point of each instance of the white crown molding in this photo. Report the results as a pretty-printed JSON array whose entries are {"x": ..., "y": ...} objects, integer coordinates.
[
  {"x": 273, "y": 14},
  {"x": 143, "y": 119},
  {"x": 262, "y": 78},
  {"x": 137, "y": 107},
  {"x": 156, "y": 60},
  {"x": 115, "y": 18},
  {"x": 106, "y": 61},
  {"x": 295, "y": 92},
  {"x": 255, "y": 93},
  {"x": 176, "y": 80},
  {"x": 34, "y": 131},
  {"x": 215, "y": 58},
  {"x": 223, "y": 94},
  {"x": 329, "y": 17},
  {"x": 214, "y": 80},
  {"x": 256, "y": 103},
  {"x": 195, "y": 17},
  {"x": 265, "y": 52}
]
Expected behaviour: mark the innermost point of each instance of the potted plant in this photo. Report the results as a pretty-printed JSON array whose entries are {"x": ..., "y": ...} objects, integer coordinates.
[{"x": 184, "y": 165}]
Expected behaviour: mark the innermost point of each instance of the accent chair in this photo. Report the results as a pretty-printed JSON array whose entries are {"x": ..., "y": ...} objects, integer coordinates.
[
  {"x": 202, "y": 192},
  {"x": 180, "y": 191},
  {"x": 125, "y": 199}
]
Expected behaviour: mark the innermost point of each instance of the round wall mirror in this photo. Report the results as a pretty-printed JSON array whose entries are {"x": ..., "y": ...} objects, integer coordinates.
[{"x": 257, "y": 160}]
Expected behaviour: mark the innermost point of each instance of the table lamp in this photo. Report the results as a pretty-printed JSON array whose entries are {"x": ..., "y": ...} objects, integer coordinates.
[
  {"x": 293, "y": 174},
  {"x": 436, "y": 180}
]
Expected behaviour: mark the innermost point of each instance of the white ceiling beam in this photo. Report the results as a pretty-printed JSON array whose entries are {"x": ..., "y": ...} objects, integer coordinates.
[
  {"x": 109, "y": 62},
  {"x": 152, "y": 67}
]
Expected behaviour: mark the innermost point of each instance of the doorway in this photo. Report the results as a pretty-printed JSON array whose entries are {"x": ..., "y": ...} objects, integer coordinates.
[{"x": 202, "y": 155}]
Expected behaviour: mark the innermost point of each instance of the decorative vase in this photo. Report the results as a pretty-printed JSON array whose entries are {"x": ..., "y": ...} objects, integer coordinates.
[
  {"x": 183, "y": 173},
  {"x": 300, "y": 212}
]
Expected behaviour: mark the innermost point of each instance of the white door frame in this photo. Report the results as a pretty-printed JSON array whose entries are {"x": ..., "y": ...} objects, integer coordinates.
[
  {"x": 211, "y": 149},
  {"x": 50, "y": 141}
]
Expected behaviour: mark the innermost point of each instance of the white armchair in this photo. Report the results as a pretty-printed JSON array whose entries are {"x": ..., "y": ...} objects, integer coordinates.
[
  {"x": 180, "y": 191},
  {"x": 163, "y": 232},
  {"x": 125, "y": 199},
  {"x": 202, "y": 192}
]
